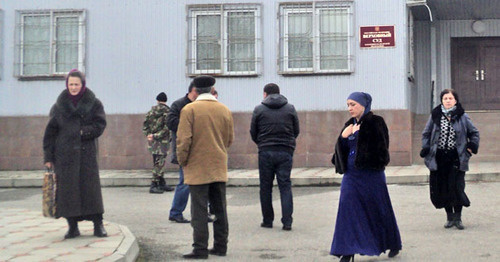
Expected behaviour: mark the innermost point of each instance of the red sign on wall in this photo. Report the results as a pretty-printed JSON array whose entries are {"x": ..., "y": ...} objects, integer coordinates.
[{"x": 376, "y": 36}]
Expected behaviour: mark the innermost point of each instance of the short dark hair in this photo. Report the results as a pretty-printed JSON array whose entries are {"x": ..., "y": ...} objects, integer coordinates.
[
  {"x": 191, "y": 86},
  {"x": 271, "y": 88},
  {"x": 203, "y": 90},
  {"x": 448, "y": 91}
]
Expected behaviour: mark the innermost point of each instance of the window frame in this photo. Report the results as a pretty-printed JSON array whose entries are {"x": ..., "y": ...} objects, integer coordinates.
[
  {"x": 53, "y": 15},
  {"x": 223, "y": 11},
  {"x": 314, "y": 8}
]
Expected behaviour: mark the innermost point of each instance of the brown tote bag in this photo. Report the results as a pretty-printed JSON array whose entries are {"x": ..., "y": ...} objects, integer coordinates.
[{"x": 49, "y": 194}]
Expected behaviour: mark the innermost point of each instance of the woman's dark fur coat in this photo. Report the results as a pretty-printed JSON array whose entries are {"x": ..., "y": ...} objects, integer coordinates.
[
  {"x": 372, "y": 150},
  {"x": 70, "y": 143}
]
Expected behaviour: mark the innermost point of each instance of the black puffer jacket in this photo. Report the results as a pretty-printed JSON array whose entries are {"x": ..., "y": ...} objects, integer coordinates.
[{"x": 275, "y": 124}]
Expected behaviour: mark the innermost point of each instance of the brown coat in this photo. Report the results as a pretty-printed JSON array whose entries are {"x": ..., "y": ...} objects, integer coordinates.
[{"x": 204, "y": 134}]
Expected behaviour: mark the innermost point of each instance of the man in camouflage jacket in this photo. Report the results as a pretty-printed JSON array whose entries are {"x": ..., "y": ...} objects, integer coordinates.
[{"x": 156, "y": 130}]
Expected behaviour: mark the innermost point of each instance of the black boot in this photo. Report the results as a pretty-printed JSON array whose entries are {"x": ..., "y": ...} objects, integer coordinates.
[
  {"x": 449, "y": 220},
  {"x": 164, "y": 185},
  {"x": 155, "y": 188},
  {"x": 73, "y": 228},
  {"x": 347, "y": 258},
  {"x": 458, "y": 221},
  {"x": 99, "y": 230}
]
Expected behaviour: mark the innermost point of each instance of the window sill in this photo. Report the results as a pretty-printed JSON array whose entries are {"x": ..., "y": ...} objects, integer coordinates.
[
  {"x": 41, "y": 77},
  {"x": 314, "y": 73},
  {"x": 225, "y": 75}
]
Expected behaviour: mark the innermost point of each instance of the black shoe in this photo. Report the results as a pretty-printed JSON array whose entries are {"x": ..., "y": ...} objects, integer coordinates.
[
  {"x": 99, "y": 230},
  {"x": 449, "y": 220},
  {"x": 72, "y": 234},
  {"x": 216, "y": 252},
  {"x": 449, "y": 224},
  {"x": 193, "y": 255},
  {"x": 168, "y": 188},
  {"x": 347, "y": 258},
  {"x": 393, "y": 253},
  {"x": 163, "y": 185},
  {"x": 458, "y": 221},
  {"x": 155, "y": 188},
  {"x": 266, "y": 225},
  {"x": 180, "y": 219},
  {"x": 287, "y": 227},
  {"x": 73, "y": 229}
]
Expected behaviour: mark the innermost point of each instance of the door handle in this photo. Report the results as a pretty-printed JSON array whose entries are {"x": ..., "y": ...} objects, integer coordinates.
[
  {"x": 482, "y": 75},
  {"x": 477, "y": 75}
]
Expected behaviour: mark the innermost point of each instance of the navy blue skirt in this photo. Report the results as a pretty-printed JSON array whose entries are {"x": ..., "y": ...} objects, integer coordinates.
[{"x": 366, "y": 223}]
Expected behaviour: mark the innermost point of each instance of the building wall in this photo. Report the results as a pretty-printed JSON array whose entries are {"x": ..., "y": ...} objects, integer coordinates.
[
  {"x": 123, "y": 146},
  {"x": 421, "y": 93},
  {"x": 136, "y": 49}
]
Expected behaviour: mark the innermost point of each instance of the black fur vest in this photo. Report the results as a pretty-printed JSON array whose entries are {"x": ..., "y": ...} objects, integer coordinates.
[{"x": 372, "y": 150}]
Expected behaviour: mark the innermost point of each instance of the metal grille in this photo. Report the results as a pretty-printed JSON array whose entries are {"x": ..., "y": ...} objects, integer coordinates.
[
  {"x": 224, "y": 39},
  {"x": 316, "y": 37},
  {"x": 49, "y": 42}
]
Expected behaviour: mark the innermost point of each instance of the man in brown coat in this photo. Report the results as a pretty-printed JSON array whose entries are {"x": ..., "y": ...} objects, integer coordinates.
[{"x": 204, "y": 134}]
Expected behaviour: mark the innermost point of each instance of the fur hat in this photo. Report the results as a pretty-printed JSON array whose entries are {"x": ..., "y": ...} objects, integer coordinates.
[{"x": 203, "y": 81}]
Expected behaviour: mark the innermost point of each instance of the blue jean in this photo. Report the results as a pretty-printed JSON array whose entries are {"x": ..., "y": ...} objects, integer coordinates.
[
  {"x": 181, "y": 196},
  {"x": 277, "y": 163}
]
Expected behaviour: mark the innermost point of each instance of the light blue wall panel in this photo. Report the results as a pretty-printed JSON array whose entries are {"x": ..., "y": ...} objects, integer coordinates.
[
  {"x": 136, "y": 49},
  {"x": 421, "y": 93}
]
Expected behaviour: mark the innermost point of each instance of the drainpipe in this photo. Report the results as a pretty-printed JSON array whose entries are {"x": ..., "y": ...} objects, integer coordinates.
[{"x": 411, "y": 3}]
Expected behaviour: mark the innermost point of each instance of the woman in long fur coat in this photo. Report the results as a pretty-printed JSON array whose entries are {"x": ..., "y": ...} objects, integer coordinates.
[
  {"x": 77, "y": 119},
  {"x": 366, "y": 223}
]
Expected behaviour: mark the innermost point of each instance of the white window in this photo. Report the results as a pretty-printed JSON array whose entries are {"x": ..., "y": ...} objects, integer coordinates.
[
  {"x": 49, "y": 43},
  {"x": 224, "y": 39},
  {"x": 316, "y": 37}
]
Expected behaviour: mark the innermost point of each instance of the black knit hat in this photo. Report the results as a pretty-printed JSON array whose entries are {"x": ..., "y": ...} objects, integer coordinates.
[
  {"x": 162, "y": 97},
  {"x": 203, "y": 81}
]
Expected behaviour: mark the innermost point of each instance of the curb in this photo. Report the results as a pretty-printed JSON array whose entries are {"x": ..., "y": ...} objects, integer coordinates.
[{"x": 127, "y": 251}]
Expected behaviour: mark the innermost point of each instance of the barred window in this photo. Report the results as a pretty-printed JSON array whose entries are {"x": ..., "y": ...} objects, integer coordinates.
[
  {"x": 316, "y": 37},
  {"x": 49, "y": 42},
  {"x": 224, "y": 39}
]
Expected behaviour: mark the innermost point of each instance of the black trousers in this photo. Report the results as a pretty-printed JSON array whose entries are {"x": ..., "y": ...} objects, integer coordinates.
[
  {"x": 215, "y": 193},
  {"x": 447, "y": 184}
]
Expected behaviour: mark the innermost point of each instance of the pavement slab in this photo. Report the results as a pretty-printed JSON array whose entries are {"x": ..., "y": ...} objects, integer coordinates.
[{"x": 28, "y": 236}]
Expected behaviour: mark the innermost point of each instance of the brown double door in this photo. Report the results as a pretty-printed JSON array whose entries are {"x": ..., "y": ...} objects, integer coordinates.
[{"x": 475, "y": 65}]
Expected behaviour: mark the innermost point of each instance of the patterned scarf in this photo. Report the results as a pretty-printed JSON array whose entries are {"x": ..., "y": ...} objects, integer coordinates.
[{"x": 448, "y": 112}]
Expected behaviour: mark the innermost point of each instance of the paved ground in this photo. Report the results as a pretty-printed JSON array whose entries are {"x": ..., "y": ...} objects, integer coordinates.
[
  {"x": 25, "y": 235},
  {"x": 421, "y": 226},
  {"x": 318, "y": 176}
]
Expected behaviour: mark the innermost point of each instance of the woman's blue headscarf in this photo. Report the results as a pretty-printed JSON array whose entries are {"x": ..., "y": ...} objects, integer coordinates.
[{"x": 363, "y": 99}]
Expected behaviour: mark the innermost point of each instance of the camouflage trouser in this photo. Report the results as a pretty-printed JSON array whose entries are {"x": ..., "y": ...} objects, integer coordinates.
[{"x": 158, "y": 167}]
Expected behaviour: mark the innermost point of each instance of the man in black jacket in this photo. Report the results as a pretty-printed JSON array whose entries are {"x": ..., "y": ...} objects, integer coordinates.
[
  {"x": 274, "y": 128},
  {"x": 181, "y": 194}
]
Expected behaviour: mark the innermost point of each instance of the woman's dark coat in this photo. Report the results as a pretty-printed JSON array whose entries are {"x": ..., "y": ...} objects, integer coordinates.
[
  {"x": 70, "y": 143},
  {"x": 467, "y": 136},
  {"x": 372, "y": 150}
]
